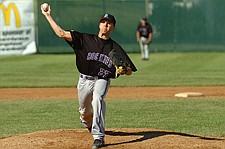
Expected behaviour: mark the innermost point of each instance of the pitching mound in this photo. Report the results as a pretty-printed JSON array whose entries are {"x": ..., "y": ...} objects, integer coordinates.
[{"x": 115, "y": 138}]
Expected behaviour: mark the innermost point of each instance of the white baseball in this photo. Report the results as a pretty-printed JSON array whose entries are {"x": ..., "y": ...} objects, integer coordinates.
[{"x": 45, "y": 7}]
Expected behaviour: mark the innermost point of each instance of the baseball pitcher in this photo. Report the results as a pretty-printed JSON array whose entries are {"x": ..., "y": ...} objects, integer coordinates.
[{"x": 98, "y": 59}]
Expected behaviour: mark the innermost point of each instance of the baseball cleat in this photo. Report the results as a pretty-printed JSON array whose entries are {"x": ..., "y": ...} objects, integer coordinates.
[{"x": 98, "y": 144}]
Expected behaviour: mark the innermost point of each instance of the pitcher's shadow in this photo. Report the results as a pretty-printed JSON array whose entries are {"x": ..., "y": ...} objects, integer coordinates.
[{"x": 150, "y": 135}]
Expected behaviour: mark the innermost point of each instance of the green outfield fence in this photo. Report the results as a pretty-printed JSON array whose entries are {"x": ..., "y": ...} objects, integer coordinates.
[{"x": 179, "y": 25}]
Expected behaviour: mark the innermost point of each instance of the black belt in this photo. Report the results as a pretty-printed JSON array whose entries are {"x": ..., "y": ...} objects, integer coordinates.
[{"x": 88, "y": 77}]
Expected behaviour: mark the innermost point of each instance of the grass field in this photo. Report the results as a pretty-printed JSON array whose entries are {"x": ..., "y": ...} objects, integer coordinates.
[
  {"x": 202, "y": 116},
  {"x": 164, "y": 69},
  {"x": 199, "y": 116}
]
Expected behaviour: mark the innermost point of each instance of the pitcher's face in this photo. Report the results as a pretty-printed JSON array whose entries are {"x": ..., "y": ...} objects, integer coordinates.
[{"x": 106, "y": 27}]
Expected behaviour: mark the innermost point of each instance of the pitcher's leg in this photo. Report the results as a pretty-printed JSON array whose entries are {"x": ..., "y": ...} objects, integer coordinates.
[
  {"x": 99, "y": 108},
  {"x": 85, "y": 99}
]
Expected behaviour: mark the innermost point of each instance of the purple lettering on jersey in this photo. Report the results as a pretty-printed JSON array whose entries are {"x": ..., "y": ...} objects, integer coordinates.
[
  {"x": 101, "y": 58},
  {"x": 92, "y": 56},
  {"x": 106, "y": 60},
  {"x": 88, "y": 56},
  {"x": 96, "y": 56}
]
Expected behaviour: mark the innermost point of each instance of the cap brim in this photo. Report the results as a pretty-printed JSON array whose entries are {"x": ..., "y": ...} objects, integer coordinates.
[{"x": 105, "y": 19}]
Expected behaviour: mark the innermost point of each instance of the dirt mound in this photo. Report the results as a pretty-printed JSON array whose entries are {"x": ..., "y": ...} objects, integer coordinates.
[{"x": 115, "y": 138}]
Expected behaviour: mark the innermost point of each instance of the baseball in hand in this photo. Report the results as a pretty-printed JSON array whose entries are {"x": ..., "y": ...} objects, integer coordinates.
[{"x": 45, "y": 7}]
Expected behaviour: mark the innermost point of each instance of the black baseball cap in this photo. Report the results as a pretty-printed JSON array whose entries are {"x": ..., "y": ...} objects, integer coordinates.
[{"x": 109, "y": 17}]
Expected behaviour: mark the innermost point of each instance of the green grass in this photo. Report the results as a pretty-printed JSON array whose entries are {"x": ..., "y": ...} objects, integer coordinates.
[
  {"x": 163, "y": 69},
  {"x": 193, "y": 116},
  {"x": 200, "y": 116},
  {"x": 38, "y": 71},
  {"x": 24, "y": 116}
]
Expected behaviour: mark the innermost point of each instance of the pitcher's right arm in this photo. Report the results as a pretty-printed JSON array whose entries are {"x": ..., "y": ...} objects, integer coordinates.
[{"x": 56, "y": 28}]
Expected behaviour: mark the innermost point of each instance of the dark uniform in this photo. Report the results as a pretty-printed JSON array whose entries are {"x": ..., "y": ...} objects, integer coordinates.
[
  {"x": 144, "y": 32},
  {"x": 95, "y": 69},
  {"x": 92, "y": 55}
]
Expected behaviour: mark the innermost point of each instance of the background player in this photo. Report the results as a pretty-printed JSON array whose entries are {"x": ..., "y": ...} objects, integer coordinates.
[
  {"x": 144, "y": 37},
  {"x": 95, "y": 69}
]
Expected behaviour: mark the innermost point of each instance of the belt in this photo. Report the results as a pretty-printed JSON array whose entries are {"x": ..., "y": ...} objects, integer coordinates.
[{"x": 88, "y": 77}]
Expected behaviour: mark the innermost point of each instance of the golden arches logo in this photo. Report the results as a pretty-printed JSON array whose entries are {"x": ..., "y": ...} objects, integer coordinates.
[{"x": 6, "y": 12}]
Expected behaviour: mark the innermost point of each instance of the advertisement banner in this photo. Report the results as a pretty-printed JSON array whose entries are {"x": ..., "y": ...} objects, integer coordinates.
[{"x": 17, "y": 30}]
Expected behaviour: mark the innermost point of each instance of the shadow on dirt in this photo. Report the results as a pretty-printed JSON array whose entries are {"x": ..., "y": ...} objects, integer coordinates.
[{"x": 150, "y": 135}]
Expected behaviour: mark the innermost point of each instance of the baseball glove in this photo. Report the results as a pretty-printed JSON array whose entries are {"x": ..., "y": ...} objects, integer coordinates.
[{"x": 121, "y": 67}]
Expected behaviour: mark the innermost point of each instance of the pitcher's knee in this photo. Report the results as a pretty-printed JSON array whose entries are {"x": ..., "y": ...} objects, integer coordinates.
[{"x": 86, "y": 119}]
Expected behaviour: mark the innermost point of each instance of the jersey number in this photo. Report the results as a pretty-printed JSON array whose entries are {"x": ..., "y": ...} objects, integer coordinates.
[{"x": 104, "y": 73}]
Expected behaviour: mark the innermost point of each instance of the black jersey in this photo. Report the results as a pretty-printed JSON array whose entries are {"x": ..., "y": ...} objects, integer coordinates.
[
  {"x": 144, "y": 30},
  {"x": 92, "y": 54}
]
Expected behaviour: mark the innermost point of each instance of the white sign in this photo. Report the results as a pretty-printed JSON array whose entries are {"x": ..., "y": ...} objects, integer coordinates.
[{"x": 17, "y": 34}]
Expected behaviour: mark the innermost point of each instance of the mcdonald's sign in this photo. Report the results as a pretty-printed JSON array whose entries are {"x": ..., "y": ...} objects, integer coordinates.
[{"x": 6, "y": 12}]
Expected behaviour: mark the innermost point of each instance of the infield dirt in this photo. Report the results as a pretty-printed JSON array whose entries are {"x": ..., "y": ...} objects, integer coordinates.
[
  {"x": 114, "y": 92},
  {"x": 132, "y": 138}
]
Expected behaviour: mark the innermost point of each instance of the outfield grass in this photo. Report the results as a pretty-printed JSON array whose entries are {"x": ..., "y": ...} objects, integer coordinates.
[
  {"x": 200, "y": 116},
  {"x": 163, "y": 69}
]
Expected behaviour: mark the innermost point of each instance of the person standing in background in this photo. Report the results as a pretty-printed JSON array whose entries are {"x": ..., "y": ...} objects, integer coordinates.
[{"x": 144, "y": 37}]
